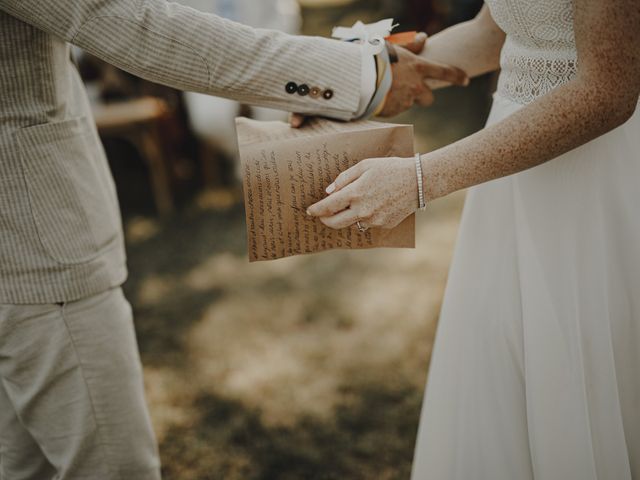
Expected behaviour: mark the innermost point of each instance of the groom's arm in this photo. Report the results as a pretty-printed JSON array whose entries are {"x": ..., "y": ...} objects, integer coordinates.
[{"x": 177, "y": 46}]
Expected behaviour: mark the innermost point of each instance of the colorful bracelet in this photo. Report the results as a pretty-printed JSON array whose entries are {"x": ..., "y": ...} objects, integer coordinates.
[{"x": 383, "y": 83}]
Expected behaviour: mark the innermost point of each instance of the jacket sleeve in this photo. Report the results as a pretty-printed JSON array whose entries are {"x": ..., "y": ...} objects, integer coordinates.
[{"x": 186, "y": 49}]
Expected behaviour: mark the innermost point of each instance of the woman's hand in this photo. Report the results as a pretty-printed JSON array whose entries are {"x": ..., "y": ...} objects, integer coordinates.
[{"x": 377, "y": 192}]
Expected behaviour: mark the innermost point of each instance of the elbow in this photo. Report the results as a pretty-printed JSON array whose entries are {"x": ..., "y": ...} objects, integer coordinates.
[
  {"x": 609, "y": 105},
  {"x": 619, "y": 111},
  {"x": 608, "y": 108},
  {"x": 627, "y": 110}
]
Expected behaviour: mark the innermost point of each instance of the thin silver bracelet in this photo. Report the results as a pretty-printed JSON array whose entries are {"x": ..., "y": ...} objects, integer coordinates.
[{"x": 422, "y": 205}]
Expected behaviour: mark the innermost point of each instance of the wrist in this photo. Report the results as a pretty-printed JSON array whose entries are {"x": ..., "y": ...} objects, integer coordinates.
[
  {"x": 407, "y": 174},
  {"x": 433, "y": 179},
  {"x": 392, "y": 54},
  {"x": 420, "y": 182},
  {"x": 384, "y": 80},
  {"x": 376, "y": 64}
]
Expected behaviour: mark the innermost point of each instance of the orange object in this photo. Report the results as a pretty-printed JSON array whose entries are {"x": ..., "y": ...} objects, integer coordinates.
[{"x": 402, "y": 38}]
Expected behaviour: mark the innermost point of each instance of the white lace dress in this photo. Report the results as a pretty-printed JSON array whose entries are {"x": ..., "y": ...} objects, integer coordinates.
[{"x": 536, "y": 368}]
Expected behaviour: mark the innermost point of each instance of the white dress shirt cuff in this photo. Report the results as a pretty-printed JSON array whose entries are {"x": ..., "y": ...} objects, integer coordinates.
[{"x": 368, "y": 82}]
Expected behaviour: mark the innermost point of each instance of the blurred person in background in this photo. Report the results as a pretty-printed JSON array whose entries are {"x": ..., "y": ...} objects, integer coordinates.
[
  {"x": 71, "y": 393},
  {"x": 211, "y": 118},
  {"x": 534, "y": 373}
]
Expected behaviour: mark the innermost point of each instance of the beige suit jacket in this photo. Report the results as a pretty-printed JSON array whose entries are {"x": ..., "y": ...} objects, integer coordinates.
[{"x": 60, "y": 230}]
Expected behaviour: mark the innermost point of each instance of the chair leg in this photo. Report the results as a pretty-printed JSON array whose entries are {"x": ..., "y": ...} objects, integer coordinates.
[
  {"x": 210, "y": 164},
  {"x": 160, "y": 176}
]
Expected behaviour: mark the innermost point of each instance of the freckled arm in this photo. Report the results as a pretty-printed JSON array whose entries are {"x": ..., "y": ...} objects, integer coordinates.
[{"x": 601, "y": 96}]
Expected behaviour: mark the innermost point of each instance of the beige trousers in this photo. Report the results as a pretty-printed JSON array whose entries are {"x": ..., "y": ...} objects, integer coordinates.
[{"x": 71, "y": 395}]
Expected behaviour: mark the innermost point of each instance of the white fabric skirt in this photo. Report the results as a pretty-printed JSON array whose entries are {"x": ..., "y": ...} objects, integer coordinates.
[{"x": 535, "y": 372}]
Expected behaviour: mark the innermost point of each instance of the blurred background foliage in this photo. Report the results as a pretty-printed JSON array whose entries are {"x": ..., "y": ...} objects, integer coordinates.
[{"x": 305, "y": 368}]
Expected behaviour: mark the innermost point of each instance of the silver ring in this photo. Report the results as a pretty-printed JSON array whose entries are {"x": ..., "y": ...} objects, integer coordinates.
[{"x": 361, "y": 228}]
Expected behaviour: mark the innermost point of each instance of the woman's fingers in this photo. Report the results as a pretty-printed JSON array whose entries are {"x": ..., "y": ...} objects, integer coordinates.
[
  {"x": 417, "y": 45},
  {"x": 341, "y": 192},
  {"x": 343, "y": 219},
  {"x": 348, "y": 176},
  {"x": 425, "y": 99},
  {"x": 331, "y": 205}
]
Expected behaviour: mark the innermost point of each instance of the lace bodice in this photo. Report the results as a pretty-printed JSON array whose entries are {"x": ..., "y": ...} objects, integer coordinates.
[{"x": 539, "y": 52}]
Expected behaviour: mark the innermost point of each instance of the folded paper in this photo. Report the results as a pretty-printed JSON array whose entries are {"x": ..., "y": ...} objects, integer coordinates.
[{"x": 286, "y": 170}]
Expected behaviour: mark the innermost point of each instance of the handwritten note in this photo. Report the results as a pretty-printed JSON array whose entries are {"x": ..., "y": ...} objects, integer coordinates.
[{"x": 285, "y": 170}]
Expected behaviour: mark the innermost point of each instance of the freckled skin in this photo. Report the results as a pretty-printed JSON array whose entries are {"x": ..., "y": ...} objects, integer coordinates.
[
  {"x": 381, "y": 192},
  {"x": 601, "y": 96}
]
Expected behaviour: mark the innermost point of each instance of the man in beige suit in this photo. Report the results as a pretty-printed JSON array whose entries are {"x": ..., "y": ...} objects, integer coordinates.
[{"x": 71, "y": 393}]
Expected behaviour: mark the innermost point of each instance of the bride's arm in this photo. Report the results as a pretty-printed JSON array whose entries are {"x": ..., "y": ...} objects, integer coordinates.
[
  {"x": 473, "y": 46},
  {"x": 601, "y": 96}
]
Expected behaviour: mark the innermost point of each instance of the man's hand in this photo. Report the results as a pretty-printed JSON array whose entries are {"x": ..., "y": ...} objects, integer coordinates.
[{"x": 410, "y": 74}]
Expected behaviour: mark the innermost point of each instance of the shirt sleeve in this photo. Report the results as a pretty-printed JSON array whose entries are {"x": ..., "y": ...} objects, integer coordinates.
[
  {"x": 189, "y": 50},
  {"x": 368, "y": 84}
]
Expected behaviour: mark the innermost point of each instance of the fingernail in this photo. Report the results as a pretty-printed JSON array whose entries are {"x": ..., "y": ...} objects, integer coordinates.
[
  {"x": 331, "y": 188},
  {"x": 309, "y": 212}
]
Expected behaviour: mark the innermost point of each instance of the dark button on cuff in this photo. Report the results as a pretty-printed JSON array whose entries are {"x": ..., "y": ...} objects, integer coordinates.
[
  {"x": 303, "y": 90},
  {"x": 291, "y": 88},
  {"x": 315, "y": 92},
  {"x": 328, "y": 94}
]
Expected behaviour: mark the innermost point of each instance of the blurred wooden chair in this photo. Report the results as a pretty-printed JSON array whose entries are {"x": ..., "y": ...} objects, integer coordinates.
[{"x": 138, "y": 121}]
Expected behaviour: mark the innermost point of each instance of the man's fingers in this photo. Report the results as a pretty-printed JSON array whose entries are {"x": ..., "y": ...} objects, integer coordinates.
[
  {"x": 425, "y": 99},
  {"x": 344, "y": 219},
  {"x": 296, "y": 120},
  {"x": 331, "y": 205},
  {"x": 345, "y": 178},
  {"x": 446, "y": 73},
  {"x": 417, "y": 45}
]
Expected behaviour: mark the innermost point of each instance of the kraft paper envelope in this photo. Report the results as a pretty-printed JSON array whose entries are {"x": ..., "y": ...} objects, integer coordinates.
[{"x": 285, "y": 170}]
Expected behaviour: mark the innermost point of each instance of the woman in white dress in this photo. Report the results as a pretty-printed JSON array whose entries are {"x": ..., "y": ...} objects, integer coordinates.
[{"x": 536, "y": 367}]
